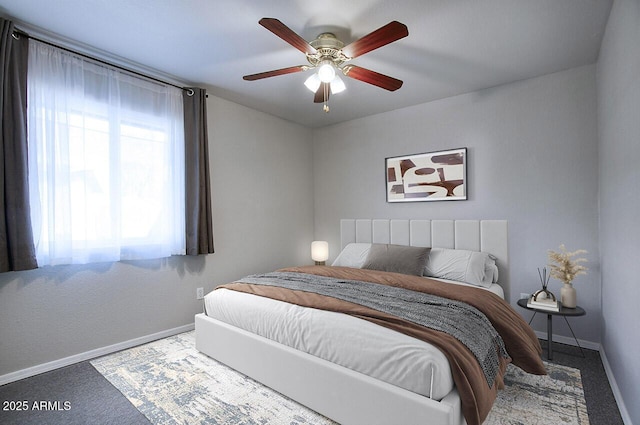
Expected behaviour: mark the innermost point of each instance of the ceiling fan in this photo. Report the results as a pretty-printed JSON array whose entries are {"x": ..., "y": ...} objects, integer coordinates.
[{"x": 328, "y": 54}]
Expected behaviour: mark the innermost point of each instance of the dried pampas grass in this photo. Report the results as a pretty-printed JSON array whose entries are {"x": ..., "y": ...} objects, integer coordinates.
[{"x": 564, "y": 267}]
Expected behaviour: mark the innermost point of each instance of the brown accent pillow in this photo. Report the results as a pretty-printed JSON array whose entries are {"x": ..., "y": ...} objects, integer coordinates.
[{"x": 403, "y": 259}]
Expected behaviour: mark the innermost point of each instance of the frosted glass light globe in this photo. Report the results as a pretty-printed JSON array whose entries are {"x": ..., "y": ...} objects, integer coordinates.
[
  {"x": 326, "y": 72},
  {"x": 313, "y": 82}
]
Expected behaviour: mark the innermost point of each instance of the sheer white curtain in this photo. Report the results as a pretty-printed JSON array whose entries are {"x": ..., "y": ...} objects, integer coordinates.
[{"x": 106, "y": 162}]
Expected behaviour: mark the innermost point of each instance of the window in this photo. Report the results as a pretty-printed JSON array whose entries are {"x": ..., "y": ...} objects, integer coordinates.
[{"x": 106, "y": 162}]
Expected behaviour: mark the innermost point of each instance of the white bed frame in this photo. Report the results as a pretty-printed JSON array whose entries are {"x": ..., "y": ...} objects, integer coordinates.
[{"x": 339, "y": 393}]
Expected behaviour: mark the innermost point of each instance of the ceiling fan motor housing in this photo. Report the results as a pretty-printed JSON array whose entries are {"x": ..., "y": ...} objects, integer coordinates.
[{"x": 328, "y": 47}]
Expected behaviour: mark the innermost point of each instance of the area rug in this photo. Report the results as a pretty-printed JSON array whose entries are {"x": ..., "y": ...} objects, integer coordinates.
[{"x": 170, "y": 382}]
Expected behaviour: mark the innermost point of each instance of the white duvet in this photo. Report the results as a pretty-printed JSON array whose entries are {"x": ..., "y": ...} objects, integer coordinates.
[{"x": 354, "y": 343}]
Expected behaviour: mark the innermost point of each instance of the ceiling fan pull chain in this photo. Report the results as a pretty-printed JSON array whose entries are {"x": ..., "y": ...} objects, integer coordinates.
[{"x": 326, "y": 98}]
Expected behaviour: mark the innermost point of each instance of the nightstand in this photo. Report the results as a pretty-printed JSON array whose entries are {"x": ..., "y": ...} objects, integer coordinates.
[{"x": 564, "y": 312}]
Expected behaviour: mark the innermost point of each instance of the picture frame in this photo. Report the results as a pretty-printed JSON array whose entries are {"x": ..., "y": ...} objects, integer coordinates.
[{"x": 430, "y": 176}]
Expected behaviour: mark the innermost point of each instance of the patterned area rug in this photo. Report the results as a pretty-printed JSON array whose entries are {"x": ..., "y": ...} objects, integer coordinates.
[
  {"x": 556, "y": 398},
  {"x": 170, "y": 382}
]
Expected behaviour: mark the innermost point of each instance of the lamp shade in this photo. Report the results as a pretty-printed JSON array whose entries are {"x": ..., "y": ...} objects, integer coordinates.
[{"x": 319, "y": 251}]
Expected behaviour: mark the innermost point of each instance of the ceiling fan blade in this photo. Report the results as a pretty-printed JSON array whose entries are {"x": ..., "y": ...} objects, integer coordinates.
[
  {"x": 275, "y": 73},
  {"x": 319, "y": 96},
  {"x": 372, "y": 77},
  {"x": 381, "y": 37},
  {"x": 285, "y": 33}
]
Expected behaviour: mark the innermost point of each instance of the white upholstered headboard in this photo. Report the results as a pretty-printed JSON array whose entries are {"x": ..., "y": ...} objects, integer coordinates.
[{"x": 474, "y": 235}]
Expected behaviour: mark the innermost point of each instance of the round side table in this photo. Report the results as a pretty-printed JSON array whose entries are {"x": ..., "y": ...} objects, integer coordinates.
[{"x": 564, "y": 312}]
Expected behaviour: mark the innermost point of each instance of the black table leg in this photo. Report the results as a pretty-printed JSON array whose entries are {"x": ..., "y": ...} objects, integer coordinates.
[
  {"x": 574, "y": 337},
  {"x": 549, "y": 337}
]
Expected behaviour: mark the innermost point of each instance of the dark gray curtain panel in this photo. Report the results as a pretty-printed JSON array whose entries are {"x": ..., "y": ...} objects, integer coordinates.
[
  {"x": 17, "y": 251},
  {"x": 199, "y": 222}
]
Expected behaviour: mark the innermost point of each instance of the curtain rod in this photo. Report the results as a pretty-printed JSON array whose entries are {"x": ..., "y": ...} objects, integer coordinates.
[{"x": 18, "y": 33}]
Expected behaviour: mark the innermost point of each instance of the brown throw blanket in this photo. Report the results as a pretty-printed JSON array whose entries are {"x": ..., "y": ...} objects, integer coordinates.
[{"x": 476, "y": 396}]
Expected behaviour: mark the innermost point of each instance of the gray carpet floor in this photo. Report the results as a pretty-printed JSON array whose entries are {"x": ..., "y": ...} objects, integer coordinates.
[
  {"x": 601, "y": 404},
  {"x": 93, "y": 400}
]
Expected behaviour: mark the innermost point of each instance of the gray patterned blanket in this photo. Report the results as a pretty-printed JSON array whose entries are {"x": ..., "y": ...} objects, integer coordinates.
[{"x": 442, "y": 314}]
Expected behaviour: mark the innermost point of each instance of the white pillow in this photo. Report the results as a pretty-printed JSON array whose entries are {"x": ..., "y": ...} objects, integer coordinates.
[
  {"x": 353, "y": 255},
  {"x": 491, "y": 270},
  {"x": 476, "y": 268}
]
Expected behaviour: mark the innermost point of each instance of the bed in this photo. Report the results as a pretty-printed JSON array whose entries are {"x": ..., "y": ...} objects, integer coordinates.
[{"x": 393, "y": 375}]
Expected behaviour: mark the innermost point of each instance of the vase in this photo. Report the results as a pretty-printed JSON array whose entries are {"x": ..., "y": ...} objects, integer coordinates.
[{"x": 568, "y": 296}]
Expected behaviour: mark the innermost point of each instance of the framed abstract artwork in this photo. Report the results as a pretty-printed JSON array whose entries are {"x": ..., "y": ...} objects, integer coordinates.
[{"x": 431, "y": 176}]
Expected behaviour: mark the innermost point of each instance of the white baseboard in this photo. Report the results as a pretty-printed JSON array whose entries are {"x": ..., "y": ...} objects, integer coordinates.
[
  {"x": 76, "y": 358},
  {"x": 614, "y": 388},
  {"x": 570, "y": 341}
]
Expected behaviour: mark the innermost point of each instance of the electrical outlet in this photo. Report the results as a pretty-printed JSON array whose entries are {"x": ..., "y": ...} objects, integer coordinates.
[
  {"x": 524, "y": 296},
  {"x": 199, "y": 293}
]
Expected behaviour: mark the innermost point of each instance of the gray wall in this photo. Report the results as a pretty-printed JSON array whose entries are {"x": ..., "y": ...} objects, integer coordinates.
[
  {"x": 619, "y": 134},
  {"x": 262, "y": 185},
  {"x": 532, "y": 150},
  {"x": 262, "y": 213}
]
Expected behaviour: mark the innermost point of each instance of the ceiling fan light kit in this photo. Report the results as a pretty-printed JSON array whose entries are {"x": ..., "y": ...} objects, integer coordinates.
[
  {"x": 336, "y": 84},
  {"x": 328, "y": 54}
]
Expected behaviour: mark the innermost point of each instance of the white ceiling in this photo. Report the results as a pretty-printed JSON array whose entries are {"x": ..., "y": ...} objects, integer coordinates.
[{"x": 453, "y": 47}]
